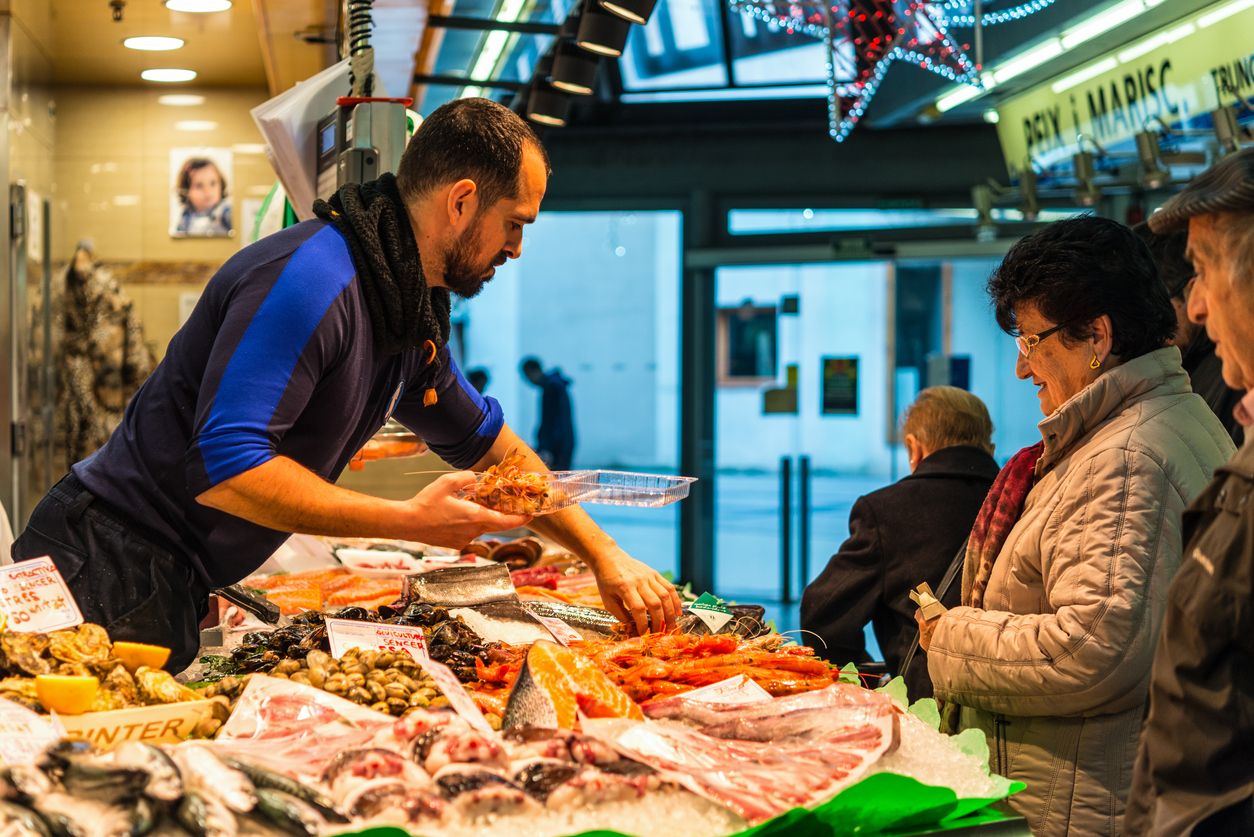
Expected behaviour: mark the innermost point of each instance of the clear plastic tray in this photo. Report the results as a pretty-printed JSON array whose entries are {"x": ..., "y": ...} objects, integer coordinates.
[{"x": 614, "y": 488}]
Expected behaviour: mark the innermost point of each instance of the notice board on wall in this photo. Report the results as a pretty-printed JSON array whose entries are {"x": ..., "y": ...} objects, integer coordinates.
[{"x": 840, "y": 386}]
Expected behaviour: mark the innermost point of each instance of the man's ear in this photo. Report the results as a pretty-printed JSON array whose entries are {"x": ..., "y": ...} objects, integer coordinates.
[{"x": 462, "y": 203}]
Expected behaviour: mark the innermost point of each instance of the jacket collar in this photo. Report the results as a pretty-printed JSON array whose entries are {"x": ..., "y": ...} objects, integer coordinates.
[
  {"x": 1242, "y": 462},
  {"x": 957, "y": 461},
  {"x": 1151, "y": 375}
]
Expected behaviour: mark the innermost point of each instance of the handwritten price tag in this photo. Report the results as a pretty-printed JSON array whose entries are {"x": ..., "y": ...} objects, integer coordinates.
[
  {"x": 34, "y": 597},
  {"x": 458, "y": 698},
  {"x": 343, "y": 634},
  {"x": 562, "y": 632}
]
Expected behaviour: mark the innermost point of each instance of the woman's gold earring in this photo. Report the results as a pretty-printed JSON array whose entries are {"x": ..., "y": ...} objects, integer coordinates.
[{"x": 1095, "y": 363}]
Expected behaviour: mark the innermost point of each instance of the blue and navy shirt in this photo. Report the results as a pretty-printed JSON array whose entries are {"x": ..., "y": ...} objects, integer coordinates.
[{"x": 277, "y": 359}]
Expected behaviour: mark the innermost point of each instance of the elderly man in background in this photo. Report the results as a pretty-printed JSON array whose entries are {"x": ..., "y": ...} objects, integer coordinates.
[
  {"x": 1195, "y": 768},
  {"x": 904, "y": 534}
]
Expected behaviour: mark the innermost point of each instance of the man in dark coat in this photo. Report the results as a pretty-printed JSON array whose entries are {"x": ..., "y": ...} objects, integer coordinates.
[
  {"x": 905, "y": 534},
  {"x": 1194, "y": 771},
  {"x": 1197, "y": 350},
  {"x": 555, "y": 439}
]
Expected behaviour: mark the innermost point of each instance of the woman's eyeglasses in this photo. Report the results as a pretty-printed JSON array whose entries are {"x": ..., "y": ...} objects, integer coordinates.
[{"x": 1028, "y": 342}]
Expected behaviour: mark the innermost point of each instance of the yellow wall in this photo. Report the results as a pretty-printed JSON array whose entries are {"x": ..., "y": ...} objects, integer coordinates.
[{"x": 113, "y": 168}]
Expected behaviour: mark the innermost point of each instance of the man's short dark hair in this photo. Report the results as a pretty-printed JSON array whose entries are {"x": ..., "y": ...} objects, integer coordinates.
[
  {"x": 530, "y": 364},
  {"x": 1174, "y": 269},
  {"x": 475, "y": 139},
  {"x": 1076, "y": 270}
]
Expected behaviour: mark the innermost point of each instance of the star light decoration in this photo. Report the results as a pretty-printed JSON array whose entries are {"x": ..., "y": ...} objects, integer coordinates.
[{"x": 864, "y": 37}]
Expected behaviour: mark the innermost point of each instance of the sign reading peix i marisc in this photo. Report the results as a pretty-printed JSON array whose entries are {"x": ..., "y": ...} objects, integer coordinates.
[{"x": 1176, "y": 74}]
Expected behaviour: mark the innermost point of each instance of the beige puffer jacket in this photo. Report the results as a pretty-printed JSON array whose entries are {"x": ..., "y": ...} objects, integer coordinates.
[{"x": 1055, "y": 667}]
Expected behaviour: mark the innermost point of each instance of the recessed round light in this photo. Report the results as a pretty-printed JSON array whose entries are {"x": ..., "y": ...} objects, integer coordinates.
[
  {"x": 198, "y": 6},
  {"x": 168, "y": 75},
  {"x": 196, "y": 125},
  {"x": 153, "y": 43},
  {"x": 181, "y": 100}
]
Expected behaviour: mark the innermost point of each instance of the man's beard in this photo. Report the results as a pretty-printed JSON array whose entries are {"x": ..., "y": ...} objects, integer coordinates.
[{"x": 461, "y": 275}]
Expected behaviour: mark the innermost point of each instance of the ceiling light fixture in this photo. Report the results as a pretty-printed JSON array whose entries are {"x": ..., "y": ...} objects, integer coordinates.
[
  {"x": 168, "y": 75},
  {"x": 196, "y": 125},
  {"x": 547, "y": 105},
  {"x": 1087, "y": 192},
  {"x": 199, "y": 7},
  {"x": 575, "y": 69},
  {"x": 153, "y": 43},
  {"x": 1029, "y": 200},
  {"x": 1153, "y": 175},
  {"x": 1092, "y": 71},
  {"x": 1101, "y": 23},
  {"x": 602, "y": 32},
  {"x": 180, "y": 100},
  {"x": 636, "y": 11},
  {"x": 1223, "y": 13},
  {"x": 1227, "y": 130}
]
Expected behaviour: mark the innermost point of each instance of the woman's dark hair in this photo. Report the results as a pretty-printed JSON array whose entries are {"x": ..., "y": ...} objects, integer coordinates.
[
  {"x": 475, "y": 139},
  {"x": 1075, "y": 271},
  {"x": 195, "y": 164}
]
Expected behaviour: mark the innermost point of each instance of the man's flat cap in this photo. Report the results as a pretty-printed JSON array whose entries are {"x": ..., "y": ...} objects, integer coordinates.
[{"x": 1227, "y": 186}]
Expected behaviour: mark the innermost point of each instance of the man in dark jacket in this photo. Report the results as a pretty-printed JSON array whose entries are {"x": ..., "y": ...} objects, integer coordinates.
[
  {"x": 555, "y": 439},
  {"x": 905, "y": 534},
  {"x": 1197, "y": 350},
  {"x": 1195, "y": 768}
]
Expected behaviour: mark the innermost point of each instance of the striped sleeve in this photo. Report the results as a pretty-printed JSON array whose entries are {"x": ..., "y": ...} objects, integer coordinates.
[{"x": 274, "y": 343}]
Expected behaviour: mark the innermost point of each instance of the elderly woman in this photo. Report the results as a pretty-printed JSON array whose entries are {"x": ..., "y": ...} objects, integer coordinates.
[{"x": 1068, "y": 564}]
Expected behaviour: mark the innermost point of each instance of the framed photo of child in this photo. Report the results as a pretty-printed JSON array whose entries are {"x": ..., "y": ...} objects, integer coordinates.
[{"x": 200, "y": 200}]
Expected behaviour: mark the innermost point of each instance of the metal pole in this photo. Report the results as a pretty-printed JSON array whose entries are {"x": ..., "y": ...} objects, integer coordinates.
[
  {"x": 785, "y": 530},
  {"x": 804, "y": 520}
]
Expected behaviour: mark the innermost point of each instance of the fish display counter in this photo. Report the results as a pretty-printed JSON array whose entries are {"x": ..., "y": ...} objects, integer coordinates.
[{"x": 504, "y": 715}]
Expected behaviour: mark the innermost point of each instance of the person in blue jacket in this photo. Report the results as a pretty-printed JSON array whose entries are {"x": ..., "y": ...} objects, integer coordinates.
[
  {"x": 555, "y": 437},
  {"x": 301, "y": 347}
]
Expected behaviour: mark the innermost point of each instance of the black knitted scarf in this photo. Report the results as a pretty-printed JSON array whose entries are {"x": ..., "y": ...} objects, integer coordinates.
[{"x": 404, "y": 312}]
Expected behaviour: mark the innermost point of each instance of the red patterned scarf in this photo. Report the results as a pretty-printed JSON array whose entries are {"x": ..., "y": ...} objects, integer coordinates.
[{"x": 1001, "y": 510}]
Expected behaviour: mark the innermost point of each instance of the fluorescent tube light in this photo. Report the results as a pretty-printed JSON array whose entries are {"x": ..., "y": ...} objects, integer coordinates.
[
  {"x": 1101, "y": 22},
  {"x": 1081, "y": 76}
]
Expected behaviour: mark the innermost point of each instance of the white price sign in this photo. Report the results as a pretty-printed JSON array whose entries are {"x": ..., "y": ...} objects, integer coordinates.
[
  {"x": 458, "y": 698},
  {"x": 343, "y": 634},
  {"x": 35, "y": 598},
  {"x": 562, "y": 632}
]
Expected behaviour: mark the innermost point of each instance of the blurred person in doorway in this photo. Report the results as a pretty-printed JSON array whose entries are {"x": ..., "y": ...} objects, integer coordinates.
[
  {"x": 555, "y": 437},
  {"x": 1195, "y": 767},
  {"x": 1067, "y": 567},
  {"x": 905, "y": 534},
  {"x": 1204, "y": 368}
]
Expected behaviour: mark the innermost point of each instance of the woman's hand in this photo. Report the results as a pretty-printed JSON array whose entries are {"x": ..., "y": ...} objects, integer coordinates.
[{"x": 925, "y": 629}]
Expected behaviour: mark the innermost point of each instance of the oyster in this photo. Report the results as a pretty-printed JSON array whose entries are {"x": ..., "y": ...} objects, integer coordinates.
[
  {"x": 157, "y": 686},
  {"x": 87, "y": 644},
  {"x": 23, "y": 653}
]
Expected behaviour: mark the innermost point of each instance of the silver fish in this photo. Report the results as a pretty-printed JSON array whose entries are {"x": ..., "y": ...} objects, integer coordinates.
[
  {"x": 24, "y": 782},
  {"x": 204, "y": 816},
  {"x": 529, "y": 705},
  {"x": 16, "y": 821},
  {"x": 592, "y": 622},
  {"x": 292, "y": 815},
  {"x": 263, "y": 778},
  {"x": 462, "y": 586},
  {"x": 210, "y": 775},
  {"x": 165, "y": 782},
  {"x": 68, "y": 816}
]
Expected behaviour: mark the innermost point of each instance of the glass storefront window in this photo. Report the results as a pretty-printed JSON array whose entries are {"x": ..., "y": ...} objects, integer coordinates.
[
  {"x": 596, "y": 295},
  {"x": 759, "y": 221}
]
